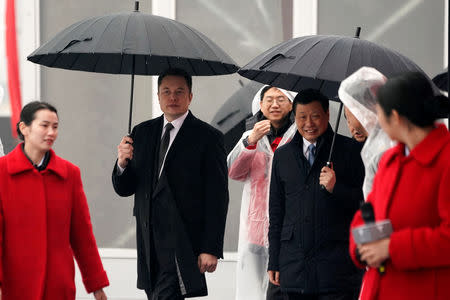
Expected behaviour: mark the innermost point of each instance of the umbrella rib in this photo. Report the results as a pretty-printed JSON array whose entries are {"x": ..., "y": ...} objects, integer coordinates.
[
  {"x": 125, "y": 31},
  {"x": 297, "y": 82},
  {"x": 326, "y": 56},
  {"x": 304, "y": 54},
  {"x": 167, "y": 33},
  {"x": 100, "y": 36},
  {"x": 208, "y": 63},
  {"x": 98, "y": 40},
  {"x": 168, "y": 62},
  {"x": 148, "y": 39},
  {"x": 199, "y": 35},
  {"x": 192, "y": 66}
]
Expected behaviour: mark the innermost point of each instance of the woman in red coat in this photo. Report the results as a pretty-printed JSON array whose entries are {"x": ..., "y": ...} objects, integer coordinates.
[
  {"x": 44, "y": 217},
  {"x": 412, "y": 189}
]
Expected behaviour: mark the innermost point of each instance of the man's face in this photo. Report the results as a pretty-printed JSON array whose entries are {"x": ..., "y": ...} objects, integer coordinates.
[
  {"x": 275, "y": 106},
  {"x": 358, "y": 131},
  {"x": 311, "y": 120},
  {"x": 174, "y": 96}
]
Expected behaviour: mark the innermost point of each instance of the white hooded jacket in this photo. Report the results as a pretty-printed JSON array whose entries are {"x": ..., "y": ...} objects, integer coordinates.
[{"x": 252, "y": 165}]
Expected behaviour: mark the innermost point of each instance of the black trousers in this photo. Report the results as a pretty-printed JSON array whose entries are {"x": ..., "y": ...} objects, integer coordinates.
[
  {"x": 344, "y": 295},
  {"x": 166, "y": 285},
  {"x": 274, "y": 292}
]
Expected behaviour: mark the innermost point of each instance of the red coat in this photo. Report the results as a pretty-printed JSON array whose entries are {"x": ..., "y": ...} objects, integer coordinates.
[
  {"x": 414, "y": 193},
  {"x": 44, "y": 223}
]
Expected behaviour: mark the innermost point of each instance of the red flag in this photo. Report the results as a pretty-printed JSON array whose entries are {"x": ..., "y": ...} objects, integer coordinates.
[{"x": 13, "y": 66}]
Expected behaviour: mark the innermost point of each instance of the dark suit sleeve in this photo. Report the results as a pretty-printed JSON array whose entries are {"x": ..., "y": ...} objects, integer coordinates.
[
  {"x": 276, "y": 214},
  {"x": 349, "y": 186},
  {"x": 214, "y": 171},
  {"x": 125, "y": 184}
]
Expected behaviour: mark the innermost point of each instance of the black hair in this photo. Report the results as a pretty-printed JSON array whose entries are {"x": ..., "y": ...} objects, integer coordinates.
[
  {"x": 412, "y": 96},
  {"x": 28, "y": 114},
  {"x": 263, "y": 91},
  {"x": 176, "y": 72},
  {"x": 310, "y": 95}
]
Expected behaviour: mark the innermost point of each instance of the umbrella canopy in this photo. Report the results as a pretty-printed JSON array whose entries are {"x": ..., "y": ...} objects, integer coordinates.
[
  {"x": 133, "y": 43},
  {"x": 322, "y": 62},
  {"x": 110, "y": 44},
  {"x": 231, "y": 116}
]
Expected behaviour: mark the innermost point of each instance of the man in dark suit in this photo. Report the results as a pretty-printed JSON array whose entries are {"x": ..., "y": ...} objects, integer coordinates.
[
  {"x": 175, "y": 165},
  {"x": 309, "y": 224}
]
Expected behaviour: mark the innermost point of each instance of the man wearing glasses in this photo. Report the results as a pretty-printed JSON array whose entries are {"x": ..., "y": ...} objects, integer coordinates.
[{"x": 250, "y": 161}]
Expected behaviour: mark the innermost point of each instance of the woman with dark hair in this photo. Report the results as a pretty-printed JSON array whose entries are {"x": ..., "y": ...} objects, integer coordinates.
[
  {"x": 412, "y": 190},
  {"x": 44, "y": 217}
]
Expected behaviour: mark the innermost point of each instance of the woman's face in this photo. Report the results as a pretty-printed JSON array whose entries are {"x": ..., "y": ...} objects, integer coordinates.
[
  {"x": 42, "y": 132},
  {"x": 385, "y": 123}
]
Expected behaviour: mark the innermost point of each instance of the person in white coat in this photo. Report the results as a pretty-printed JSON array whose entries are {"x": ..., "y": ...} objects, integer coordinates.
[
  {"x": 358, "y": 93},
  {"x": 250, "y": 161}
]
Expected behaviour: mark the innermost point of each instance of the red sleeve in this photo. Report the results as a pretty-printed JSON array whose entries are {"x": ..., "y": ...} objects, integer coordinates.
[{"x": 82, "y": 239}]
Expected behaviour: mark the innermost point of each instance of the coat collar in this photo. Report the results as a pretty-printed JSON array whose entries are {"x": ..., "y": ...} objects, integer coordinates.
[
  {"x": 17, "y": 163},
  {"x": 427, "y": 150},
  {"x": 424, "y": 153}
]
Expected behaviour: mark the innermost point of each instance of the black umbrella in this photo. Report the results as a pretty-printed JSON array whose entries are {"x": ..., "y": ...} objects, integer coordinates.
[
  {"x": 441, "y": 80},
  {"x": 322, "y": 62},
  {"x": 133, "y": 43},
  {"x": 231, "y": 116}
]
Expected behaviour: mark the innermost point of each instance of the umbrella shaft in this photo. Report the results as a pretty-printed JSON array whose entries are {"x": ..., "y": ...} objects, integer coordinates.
[
  {"x": 338, "y": 119},
  {"x": 131, "y": 98}
]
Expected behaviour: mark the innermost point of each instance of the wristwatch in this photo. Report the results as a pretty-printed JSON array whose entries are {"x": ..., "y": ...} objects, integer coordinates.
[{"x": 245, "y": 142}]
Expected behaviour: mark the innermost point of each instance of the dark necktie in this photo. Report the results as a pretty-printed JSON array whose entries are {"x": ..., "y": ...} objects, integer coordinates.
[
  {"x": 164, "y": 145},
  {"x": 311, "y": 155}
]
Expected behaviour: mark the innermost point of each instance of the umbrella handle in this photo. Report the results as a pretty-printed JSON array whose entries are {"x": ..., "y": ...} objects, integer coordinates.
[{"x": 329, "y": 165}]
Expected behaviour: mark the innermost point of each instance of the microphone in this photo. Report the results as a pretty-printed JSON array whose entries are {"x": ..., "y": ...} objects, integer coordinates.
[
  {"x": 367, "y": 213},
  {"x": 371, "y": 231}
]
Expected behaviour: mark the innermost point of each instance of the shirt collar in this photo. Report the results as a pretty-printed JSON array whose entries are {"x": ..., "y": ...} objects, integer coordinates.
[{"x": 177, "y": 122}]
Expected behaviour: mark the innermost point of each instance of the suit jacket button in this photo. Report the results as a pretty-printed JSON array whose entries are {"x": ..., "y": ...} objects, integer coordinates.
[{"x": 145, "y": 224}]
